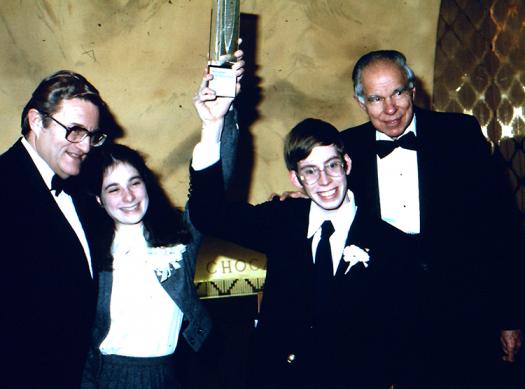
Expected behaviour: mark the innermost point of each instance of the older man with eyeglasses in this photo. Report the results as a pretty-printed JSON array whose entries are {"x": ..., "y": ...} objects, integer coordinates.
[
  {"x": 46, "y": 277},
  {"x": 427, "y": 177}
]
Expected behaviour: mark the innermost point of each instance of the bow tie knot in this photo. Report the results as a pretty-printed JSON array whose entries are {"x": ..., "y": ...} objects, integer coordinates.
[
  {"x": 407, "y": 141},
  {"x": 59, "y": 184}
]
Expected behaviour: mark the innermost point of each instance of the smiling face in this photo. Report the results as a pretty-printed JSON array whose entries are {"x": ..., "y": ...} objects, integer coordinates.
[
  {"x": 64, "y": 157},
  {"x": 124, "y": 195},
  {"x": 388, "y": 101},
  {"x": 329, "y": 191}
]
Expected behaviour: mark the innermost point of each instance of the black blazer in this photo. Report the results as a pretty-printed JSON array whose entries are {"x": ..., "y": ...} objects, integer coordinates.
[
  {"x": 466, "y": 225},
  {"x": 343, "y": 340},
  {"x": 48, "y": 295}
]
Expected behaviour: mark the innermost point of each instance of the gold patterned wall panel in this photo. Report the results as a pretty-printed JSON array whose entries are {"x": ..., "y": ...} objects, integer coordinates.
[{"x": 480, "y": 69}]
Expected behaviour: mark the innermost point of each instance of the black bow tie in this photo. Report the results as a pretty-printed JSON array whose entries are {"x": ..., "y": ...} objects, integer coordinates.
[
  {"x": 58, "y": 184},
  {"x": 407, "y": 141}
]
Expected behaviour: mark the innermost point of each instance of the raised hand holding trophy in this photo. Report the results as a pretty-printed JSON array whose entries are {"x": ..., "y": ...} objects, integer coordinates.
[{"x": 224, "y": 37}]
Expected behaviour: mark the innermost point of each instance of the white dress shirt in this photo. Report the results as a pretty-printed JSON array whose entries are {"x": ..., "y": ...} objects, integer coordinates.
[
  {"x": 145, "y": 321},
  {"x": 399, "y": 186},
  {"x": 63, "y": 200},
  {"x": 341, "y": 220}
]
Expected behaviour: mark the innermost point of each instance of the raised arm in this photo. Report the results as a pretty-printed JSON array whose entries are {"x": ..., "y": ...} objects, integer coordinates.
[
  {"x": 211, "y": 174},
  {"x": 219, "y": 120},
  {"x": 219, "y": 124}
]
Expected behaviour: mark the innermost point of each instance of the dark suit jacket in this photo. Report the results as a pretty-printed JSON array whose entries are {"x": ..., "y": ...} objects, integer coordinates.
[
  {"x": 465, "y": 248},
  {"x": 332, "y": 353},
  {"x": 48, "y": 295}
]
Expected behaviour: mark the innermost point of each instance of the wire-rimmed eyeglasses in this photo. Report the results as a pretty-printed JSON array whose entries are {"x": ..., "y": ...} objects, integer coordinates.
[{"x": 311, "y": 174}]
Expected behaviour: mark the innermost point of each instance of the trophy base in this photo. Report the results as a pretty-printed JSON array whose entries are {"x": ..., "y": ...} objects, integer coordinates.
[{"x": 224, "y": 81}]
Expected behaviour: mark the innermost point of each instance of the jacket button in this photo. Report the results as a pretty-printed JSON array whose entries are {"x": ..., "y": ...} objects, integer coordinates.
[
  {"x": 290, "y": 358},
  {"x": 425, "y": 266}
]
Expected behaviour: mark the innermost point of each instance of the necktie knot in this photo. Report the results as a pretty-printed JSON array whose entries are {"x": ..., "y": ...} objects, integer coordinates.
[
  {"x": 327, "y": 229},
  {"x": 58, "y": 184},
  {"x": 407, "y": 141}
]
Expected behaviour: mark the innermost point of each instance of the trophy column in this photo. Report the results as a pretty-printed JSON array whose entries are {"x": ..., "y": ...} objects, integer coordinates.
[{"x": 224, "y": 37}]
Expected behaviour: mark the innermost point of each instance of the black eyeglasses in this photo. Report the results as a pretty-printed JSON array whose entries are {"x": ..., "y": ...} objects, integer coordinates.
[
  {"x": 311, "y": 174},
  {"x": 77, "y": 134}
]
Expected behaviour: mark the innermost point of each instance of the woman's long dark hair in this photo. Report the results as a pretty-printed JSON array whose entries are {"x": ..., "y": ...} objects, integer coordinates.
[{"x": 164, "y": 224}]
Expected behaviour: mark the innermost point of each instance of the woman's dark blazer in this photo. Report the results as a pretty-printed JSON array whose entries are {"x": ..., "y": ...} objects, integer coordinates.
[{"x": 179, "y": 285}]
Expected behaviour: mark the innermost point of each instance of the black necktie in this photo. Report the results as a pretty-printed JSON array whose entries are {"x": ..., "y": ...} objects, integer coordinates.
[
  {"x": 324, "y": 272},
  {"x": 58, "y": 184},
  {"x": 407, "y": 141}
]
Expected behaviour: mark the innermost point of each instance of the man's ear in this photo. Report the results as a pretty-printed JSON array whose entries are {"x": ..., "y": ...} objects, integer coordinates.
[
  {"x": 35, "y": 121},
  {"x": 292, "y": 175},
  {"x": 348, "y": 163},
  {"x": 413, "y": 91},
  {"x": 361, "y": 105}
]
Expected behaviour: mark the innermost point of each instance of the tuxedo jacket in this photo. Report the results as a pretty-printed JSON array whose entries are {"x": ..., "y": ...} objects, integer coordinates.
[
  {"x": 467, "y": 229},
  {"x": 290, "y": 346},
  {"x": 48, "y": 294}
]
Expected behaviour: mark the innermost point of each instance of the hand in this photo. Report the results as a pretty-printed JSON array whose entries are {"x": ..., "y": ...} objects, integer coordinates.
[
  {"x": 511, "y": 341},
  {"x": 289, "y": 195},
  {"x": 210, "y": 107}
]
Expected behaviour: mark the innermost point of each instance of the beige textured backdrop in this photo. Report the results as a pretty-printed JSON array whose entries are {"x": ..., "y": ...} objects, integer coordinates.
[{"x": 146, "y": 58}]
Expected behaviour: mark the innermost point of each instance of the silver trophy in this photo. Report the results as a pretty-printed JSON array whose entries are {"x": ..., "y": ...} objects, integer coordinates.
[{"x": 224, "y": 37}]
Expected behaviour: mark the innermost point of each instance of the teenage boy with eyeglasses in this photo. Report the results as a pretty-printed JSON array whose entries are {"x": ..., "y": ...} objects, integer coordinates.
[
  {"x": 46, "y": 284},
  {"x": 314, "y": 331}
]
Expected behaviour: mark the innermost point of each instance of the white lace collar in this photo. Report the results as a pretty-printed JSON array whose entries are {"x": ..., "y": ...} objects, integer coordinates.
[{"x": 129, "y": 244}]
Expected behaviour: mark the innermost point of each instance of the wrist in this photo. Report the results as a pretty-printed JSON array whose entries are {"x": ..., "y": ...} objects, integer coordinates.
[{"x": 211, "y": 131}]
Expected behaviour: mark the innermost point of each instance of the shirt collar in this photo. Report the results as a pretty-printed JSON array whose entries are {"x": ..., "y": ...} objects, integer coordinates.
[
  {"x": 43, "y": 168},
  {"x": 411, "y": 128},
  {"x": 341, "y": 220},
  {"x": 127, "y": 238}
]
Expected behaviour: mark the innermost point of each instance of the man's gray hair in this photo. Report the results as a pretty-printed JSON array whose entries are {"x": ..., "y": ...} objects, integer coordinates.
[{"x": 378, "y": 56}]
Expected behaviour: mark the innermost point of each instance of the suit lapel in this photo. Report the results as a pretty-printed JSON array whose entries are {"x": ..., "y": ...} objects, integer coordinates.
[
  {"x": 38, "y": 199},
  {"x": 304, "y": 248},
  {"x": 298, "y": 233},
  {"x": 356, "y": 236},
  {"x": 300, "y": 249},
  {"x": 423, "y": 167},
  {"x": 369, "y": 176}
]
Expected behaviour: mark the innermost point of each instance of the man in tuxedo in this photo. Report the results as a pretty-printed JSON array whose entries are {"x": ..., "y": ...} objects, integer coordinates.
[
  {"x": 46, "y": 279},
  {"x": 428, "y": 179},
  {"x": 317, "y": 325}
]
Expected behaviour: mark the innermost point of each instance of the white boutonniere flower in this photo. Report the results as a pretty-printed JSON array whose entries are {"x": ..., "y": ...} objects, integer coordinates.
[
  {"x": 164, "y": 260},
  {"x": 353, "y": 255}
]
